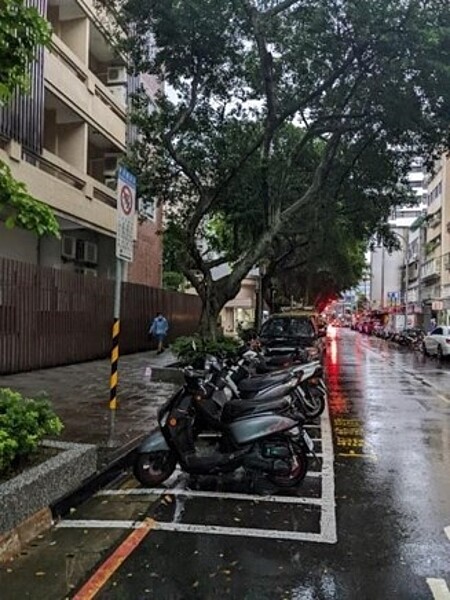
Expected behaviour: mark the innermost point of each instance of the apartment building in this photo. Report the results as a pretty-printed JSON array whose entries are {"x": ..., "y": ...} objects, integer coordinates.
[
  {"x": 64, "y": 141},
  {"x": 436, "y": 261}
]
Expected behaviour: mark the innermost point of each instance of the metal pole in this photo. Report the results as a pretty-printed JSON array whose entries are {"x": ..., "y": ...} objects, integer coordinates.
[{"x": 114, "y": 379}]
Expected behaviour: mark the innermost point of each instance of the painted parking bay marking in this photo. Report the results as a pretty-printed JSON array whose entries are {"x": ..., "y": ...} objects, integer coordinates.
[
  {"x": 327, "y": 522},
  {"x": 439, "y": 589}
]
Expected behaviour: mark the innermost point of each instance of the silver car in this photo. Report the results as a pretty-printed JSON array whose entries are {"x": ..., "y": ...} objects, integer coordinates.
[{"x": 437, "y": 343}]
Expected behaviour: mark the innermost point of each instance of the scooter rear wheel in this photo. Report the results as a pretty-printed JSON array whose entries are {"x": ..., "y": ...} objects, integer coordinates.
[
  {"x": 298, "y": 471},
  {"x": 152, "y": 468}
]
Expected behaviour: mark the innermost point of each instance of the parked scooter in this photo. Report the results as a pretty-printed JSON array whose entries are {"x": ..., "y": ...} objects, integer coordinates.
[
  {"x": 310, "y": 392},
  {"x": 261, "y": 436}
]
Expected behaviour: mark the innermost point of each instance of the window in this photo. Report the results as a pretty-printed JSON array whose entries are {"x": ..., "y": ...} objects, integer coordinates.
[
  {"x": 285, "y": 326},
  {"x": 438, "y": 331}
]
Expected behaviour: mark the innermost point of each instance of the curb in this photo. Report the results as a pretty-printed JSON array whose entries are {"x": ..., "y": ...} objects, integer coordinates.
[{"x": 113, "y": 470}]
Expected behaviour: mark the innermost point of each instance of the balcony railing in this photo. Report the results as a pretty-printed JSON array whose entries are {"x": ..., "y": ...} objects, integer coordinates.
[
  {"x": 54, "y": 166},
  {"x": 431, "y": 268}
]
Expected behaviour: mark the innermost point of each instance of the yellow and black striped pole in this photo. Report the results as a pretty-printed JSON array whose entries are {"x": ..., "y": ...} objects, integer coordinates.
[{"x": 114, "y": 379}]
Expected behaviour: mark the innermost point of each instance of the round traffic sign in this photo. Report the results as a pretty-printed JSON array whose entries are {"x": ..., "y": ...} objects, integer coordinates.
[{"x": 126, "y": 200}]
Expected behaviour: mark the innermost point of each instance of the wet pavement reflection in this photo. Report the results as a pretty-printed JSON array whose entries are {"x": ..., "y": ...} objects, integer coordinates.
[{"x": 391, "y": 438}]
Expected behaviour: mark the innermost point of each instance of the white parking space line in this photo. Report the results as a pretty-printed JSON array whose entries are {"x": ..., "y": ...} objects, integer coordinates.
[
  {"x": 328, "y": 528},
  {"x": 99, "y": 524},
  {"x": 273, "y": 534},
  {"x": 447, "y": 531},
  {"x": 439, "y": 589},
  {"x": 207, "y": 494}
]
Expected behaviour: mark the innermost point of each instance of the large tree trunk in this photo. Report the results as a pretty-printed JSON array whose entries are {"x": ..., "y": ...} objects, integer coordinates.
[
  {"x": 214, "y": 296},
  {"x": 211, "y": 307}
]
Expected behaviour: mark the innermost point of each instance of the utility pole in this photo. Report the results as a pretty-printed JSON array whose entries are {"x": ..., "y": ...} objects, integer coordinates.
[{"x": 126, "y": 212}]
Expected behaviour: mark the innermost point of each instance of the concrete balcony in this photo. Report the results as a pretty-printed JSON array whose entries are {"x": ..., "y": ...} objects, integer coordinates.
[
  {"x": 75, "y": 85},
  {"x": 432, "y": 269},
  {"x": 65, "y": 189},
  {"x": 447, "y": 261}
]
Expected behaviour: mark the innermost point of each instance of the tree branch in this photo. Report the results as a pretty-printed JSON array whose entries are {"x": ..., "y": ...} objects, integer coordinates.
[
  {"x": 276, "y": 10},
  {"x": 168, "y": 138}
]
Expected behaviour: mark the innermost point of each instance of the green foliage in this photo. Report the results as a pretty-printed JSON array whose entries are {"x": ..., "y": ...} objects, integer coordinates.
[
  {"x": 23, "y": 424},
  {"x": 21, "y": 209},
  {"x": 22, "y": 31},
  {"x": 191, "y": 349},
  {"x": 173, "y": 281},
  {"x": 287, "y": 126}
]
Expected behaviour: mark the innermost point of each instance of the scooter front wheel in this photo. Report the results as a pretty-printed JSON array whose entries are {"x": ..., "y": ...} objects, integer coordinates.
[
  {"x": 152, "y": 468},
  {"x": 313, "y": 404}
]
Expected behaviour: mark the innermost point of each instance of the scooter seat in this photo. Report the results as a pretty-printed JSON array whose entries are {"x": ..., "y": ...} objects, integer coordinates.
[
  {"x": 254, "y": 384},
  {"x": 239, "y": 408}
]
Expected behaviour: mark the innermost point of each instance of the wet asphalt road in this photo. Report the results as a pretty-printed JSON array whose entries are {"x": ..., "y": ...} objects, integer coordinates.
[{"x": 377, "y": 533}]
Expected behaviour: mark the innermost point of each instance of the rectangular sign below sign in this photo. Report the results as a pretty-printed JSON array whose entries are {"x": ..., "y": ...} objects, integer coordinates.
[{"x": 126, "y": 214}]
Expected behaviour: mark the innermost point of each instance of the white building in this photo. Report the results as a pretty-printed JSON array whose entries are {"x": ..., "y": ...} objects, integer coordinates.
[{"x": 388, "y": 281}]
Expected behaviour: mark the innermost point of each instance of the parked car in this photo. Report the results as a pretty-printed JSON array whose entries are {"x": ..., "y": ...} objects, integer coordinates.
[
  {"x": 437, "y": 343},
  {"x": 292, "y": 331}
]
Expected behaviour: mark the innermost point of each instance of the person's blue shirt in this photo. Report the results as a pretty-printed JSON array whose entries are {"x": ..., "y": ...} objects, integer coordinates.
[{"x": 160, "y": 326}]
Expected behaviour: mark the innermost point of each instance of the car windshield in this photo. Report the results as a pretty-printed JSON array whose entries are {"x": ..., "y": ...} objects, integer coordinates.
[{"x": 288, "y": 327}]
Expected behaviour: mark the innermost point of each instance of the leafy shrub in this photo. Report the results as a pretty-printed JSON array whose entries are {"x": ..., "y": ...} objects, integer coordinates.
[
  {"x": 192, "y": 349},
  {"x": 24, "y": 422}
]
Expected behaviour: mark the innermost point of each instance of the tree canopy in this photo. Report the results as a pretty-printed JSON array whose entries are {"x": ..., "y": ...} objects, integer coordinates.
[
  {"x": 285, "y": 117},
  {"x": 22, "y": 31}
]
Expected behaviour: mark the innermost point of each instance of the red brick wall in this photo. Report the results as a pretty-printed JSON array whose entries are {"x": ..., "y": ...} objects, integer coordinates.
[{"x": 146, "y": 268}]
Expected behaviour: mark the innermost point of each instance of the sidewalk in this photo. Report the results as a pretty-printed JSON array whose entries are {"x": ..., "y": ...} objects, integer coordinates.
[{"x": 79, "y": 394}]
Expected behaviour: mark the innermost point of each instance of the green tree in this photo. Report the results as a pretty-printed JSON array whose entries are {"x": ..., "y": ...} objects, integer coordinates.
[
  {"x": 356, "y": 76},
  {"x": 22, "y": 31}
]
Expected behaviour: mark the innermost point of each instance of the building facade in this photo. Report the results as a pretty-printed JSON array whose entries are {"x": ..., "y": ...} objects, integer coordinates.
[
  {"x": 64, "y": 141},
  {"x": 436, "y": 266}
]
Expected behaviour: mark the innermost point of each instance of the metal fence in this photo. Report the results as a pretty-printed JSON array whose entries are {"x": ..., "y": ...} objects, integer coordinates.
[{"x": 50, "y": 317}]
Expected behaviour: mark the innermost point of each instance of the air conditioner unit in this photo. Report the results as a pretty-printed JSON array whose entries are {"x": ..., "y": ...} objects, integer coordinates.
[
  {"x": 111, "y": 182},
  {"x": 119, "y": 92},
  {"x": 116, "y": 75},
  {"x": 69, "y": 247},
  {"x": 90, "y": 253}
]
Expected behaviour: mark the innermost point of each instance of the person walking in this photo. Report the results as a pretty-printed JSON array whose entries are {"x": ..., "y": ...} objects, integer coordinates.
[{"x": 159, "y": 329}]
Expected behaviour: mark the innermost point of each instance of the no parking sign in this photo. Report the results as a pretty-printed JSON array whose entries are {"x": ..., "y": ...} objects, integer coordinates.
[{"x": 126, "y": 210}]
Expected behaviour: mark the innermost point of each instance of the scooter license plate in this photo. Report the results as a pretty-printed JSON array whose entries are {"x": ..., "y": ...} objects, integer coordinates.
[{"x": 308, "y": 441}]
